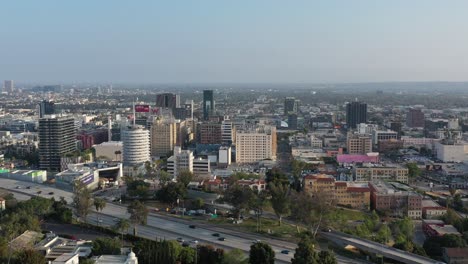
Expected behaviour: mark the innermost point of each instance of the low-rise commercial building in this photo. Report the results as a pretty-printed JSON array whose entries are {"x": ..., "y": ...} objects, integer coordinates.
[
  {"x": 432, "y": 210},
  {"x": 376, "y": 172},
  {"x": 38, "y": 176},
  {"x": 438, "y": 228},
  {"x": 395, "y": 202}
]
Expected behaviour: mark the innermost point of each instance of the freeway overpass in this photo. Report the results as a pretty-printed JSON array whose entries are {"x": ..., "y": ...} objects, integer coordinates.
[{"x": 377, "y": 248}]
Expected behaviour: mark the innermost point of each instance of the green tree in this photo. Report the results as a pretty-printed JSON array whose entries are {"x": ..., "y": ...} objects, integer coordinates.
[
  {"x": 261, "y": 253},
  {"x": 29, "y": 256},
  {"x": 275, "y": 175},
  {"x": 106, "y": 246},
  {"x": 301, "y": 208},
  {"x": 185, "y": 177},
  {"x": 305, "y": 253},
  {"x": 171, "y": 192},
  {"x": 280, "y": 200},
  {"x": 137, "y": 187},
  {"x": 82, "y": 200},
  {"x": 210, "y": 255},
  {"x": 99, "y": 204},
  {"x": 235, "y": 256},
  {"x": 326, "y": 257},
  {"x": 198, "y": 203},
  {"x": 138, "y": 214},
  {"x": 187, "y": 255},
  {"x": 413, "y": 170},
  {"x": 239, "y": 198},
  {"x": 122, "y": 227}
]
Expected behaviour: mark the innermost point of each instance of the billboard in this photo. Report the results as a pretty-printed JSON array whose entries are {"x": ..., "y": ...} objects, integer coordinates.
[{"x": 142, "y": 108}]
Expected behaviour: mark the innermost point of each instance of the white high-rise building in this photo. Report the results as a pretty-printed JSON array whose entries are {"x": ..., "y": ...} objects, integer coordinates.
[
  {"x": 136, "y": 145},
  {"x": 228, "y": 132},
  {"x": 181, "y": 160}
]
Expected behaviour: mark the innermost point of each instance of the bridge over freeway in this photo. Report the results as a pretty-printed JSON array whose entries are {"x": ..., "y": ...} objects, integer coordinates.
[{"x": 377, "y": 248}]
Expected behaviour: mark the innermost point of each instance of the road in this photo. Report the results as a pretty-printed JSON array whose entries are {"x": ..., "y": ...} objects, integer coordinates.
[
  {"x": 159, "y": 226},
  {"x": 378, "y": 248}
]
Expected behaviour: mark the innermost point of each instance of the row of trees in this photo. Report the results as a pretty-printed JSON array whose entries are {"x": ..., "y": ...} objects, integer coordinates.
[
  {"x": 311, "y": 211},
  {"x": 28, "y": 215}
]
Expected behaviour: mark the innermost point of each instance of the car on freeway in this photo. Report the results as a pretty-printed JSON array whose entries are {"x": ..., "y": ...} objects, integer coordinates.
[
  {"x": 116, "y": 219},
  {"x": 39, "y": 192},
  {"x": 194, "y": 241},
  {"x": 29, "y": 187},
  {"x": 222, "y": 239},
  {"x": 256, "y": 241},
  {"x": 216, "y": 235},
  {"x": 285, "y": 251},
  {"x": 100, "y": 220},
  {"x": 51, "y": 193},
  {"x": 192, "y": 226},
  {"x": 181, "y": 240},
  {"x": 185, "y": 244}
]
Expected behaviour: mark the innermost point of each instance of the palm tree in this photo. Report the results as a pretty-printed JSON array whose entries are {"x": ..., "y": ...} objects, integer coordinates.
[
  {"x": 117, "y": 153},
  {"x": 138, "y": 214},
  {"x": 122, "y": 226},
  {"x": 99, "y": 204}
]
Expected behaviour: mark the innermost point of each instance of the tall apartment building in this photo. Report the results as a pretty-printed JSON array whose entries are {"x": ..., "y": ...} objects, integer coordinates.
[
  {"x": 291, "y": 105},
  {"x": 356, "y": 113},
  {"x": 355, "y": 195},
  {"x": 208, "y": 104},
  {"x": 228, "y": 132},
  {"x": 358, "y": 144},
  {"x": 8, "y": 86},
  {"x": 386, "y": 198},
  {"x": 379, "y": 173},
  {"x": 136, "y": 145},
  {"x": 163, "y": 137},
  {"x": 210, "y": 133},
  {"x": 56, "y": 138},
  {"x": 414, "y": 118},
  {"x": 255, "y": 144}
]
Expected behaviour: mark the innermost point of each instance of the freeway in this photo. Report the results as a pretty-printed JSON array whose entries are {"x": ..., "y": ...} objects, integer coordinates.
[
  {"x": 377, "y": 248},
  {"x": 161, "y": 226}
]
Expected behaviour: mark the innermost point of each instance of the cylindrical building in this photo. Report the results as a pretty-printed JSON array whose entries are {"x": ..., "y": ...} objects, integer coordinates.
[{"x": 136, "y": 145}]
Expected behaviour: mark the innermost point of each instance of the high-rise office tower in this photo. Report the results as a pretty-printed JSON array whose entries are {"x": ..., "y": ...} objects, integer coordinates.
[
  {"x": 46, "y": 108},
  {"x": 168, "y": 100},
  {"x": 8, "y": 86},
  {"x": 163, "y": 137},
  {"x": 56, "y": 138},
  {"x": 291, "y": 105},
  {"x": 356, "y": 113},
  {"x": 415, "y": 118},
  {"x": 208, "y": 104},
  {"x": 136, "y": 145}
]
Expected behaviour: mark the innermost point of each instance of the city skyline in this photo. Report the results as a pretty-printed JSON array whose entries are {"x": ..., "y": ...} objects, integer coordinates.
[{"x": 241, "y": 42}]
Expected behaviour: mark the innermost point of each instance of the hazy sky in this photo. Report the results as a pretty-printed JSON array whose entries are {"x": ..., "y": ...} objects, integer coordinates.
[{"x": 233, "y": 41}]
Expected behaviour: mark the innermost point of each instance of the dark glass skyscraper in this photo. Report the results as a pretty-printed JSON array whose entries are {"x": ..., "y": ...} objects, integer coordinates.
[
  {"x": 208, "y": 104},
  {"x": 356, "y": 113},
  {"x": 168, "y": 100},
  {"x": 46, "y": 108},
  {"x": 56, "y": 138}
]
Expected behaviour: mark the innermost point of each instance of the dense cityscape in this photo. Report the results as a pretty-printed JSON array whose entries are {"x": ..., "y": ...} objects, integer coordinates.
[{"x": 108, "y": 173}]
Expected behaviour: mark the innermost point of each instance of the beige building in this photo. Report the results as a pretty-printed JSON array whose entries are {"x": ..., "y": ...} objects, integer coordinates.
[
  {"x": 359, "y": 144},
  {"x": 255, "y": 144},
  {"x": 387, "y": 173},
  {"x": 163, "y": 137},
  {"x": 354, "y": 195}
]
